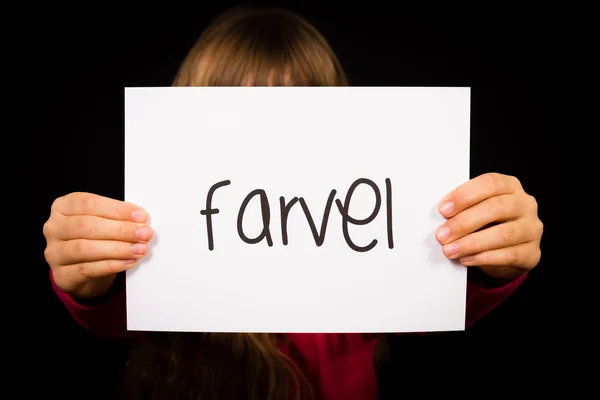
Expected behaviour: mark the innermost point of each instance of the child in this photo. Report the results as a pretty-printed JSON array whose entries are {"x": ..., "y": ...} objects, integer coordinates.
[{"x": 492, "y": 227}]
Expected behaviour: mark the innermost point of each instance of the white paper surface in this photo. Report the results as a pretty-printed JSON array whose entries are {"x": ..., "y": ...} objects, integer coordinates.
[{"x": 295, "y": 142}]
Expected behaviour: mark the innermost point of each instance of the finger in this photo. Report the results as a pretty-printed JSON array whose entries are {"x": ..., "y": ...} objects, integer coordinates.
[
  {"x": 495, "y": 209},
  {"x": 98, "y": 228},
  {"x": 81, "y": 203},
  {"x": 88, "y": 271},
  {"x": 526, "y": 255},
  {"x": 83, "y": 250},
  {"x": 477, "y": 190},
  {"x": 496, "y": 237}
]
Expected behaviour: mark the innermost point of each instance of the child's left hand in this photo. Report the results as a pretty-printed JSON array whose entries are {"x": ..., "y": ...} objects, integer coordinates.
[{"x": 492, "y": 224}]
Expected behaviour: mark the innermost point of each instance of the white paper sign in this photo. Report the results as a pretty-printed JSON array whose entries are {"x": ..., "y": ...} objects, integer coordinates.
[{"x": 295, "y": 209}]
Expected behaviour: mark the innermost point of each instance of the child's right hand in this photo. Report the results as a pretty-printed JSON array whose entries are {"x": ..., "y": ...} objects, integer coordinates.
[{"x": 90, "y": 238}]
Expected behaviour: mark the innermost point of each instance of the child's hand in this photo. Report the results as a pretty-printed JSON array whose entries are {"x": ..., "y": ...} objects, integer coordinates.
[
  {"x": 90, "y": 238},
  {"x": 493, "y": 224}
]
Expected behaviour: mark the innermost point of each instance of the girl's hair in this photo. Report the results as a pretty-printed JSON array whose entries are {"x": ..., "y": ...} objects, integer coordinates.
[
  {"x": 248, "y": 47},
  {"x": 243, "y": 366},
  {"x": 242, "y": 47}
]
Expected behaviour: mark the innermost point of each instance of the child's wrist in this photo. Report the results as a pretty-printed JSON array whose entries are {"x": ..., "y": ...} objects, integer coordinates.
[{"x": 100, "y": 292}]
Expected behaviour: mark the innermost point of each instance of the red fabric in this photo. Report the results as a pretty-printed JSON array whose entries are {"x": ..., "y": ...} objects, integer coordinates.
[{"x": 342, "y": 363}]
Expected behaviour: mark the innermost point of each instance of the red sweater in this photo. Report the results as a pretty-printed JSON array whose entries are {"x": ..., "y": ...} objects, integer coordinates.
[{"x": 342, "y": 363}]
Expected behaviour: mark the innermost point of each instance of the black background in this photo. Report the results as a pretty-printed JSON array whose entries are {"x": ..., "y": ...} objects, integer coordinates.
[{"x": 516, "y": 61}]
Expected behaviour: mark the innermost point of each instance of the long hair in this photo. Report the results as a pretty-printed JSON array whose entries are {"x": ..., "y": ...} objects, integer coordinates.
[{"x": 242, "y": 47}]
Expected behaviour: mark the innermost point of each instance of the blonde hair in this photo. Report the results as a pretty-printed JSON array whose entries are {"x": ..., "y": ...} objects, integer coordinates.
[
  {"x": 242, "y": 47},
  {"x": 247, "y": 47}
]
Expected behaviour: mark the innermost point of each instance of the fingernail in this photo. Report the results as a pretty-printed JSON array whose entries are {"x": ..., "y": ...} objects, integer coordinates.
[
  {"x": 446, "y": 208},
  {"x": 139, "y": 249},
  {"x": 130, "y": 262},
  {"x": 467, "y": 259},
  {"x": 138, "y": 215},
  {"x": 451, "y": 249},
  {"x": 443, "y": 233},
  {"x": 143, "y": 233}
]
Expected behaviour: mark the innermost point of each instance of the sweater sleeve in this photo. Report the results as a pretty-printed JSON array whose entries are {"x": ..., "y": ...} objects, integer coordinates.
[
  {"x": 105, "y": 316},
  {"x": 485, "y": 293}
]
